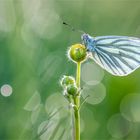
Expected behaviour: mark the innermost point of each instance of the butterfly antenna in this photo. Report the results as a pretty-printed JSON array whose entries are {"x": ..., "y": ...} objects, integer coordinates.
[{"x": 72, "y": 28}]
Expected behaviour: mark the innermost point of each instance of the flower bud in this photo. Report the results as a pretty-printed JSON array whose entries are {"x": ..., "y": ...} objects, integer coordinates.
[
  {"x": 77, "y": 53},
  {"x": 67, "y": 80},
  {"x": 72, "y": 89}
]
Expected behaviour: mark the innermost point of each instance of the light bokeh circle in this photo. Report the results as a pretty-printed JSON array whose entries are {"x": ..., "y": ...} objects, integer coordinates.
[
  {"x": 95, "y": 94},
  {"x": 57, "y": 103},
  {"x": 6, "y": 90},
  {"x": 118, "y": 126},
  {"x": 92, "y": 74},
  {"x": 130, "y": 107}
]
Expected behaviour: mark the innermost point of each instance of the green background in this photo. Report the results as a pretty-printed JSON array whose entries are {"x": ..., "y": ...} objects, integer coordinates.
[{"x": 33, "y": 58}]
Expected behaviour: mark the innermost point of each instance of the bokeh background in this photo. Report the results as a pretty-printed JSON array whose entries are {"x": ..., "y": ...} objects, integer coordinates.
[{"x": 33, "y": 58}]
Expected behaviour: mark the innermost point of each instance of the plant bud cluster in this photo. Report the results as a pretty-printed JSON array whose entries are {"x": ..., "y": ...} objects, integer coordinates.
[{"x": 69, "y": 85}]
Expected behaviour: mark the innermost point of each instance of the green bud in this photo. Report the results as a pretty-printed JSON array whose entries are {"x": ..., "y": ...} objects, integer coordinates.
[
  {"x": 67, "y": 80},
  {"x": 72, "y": 89},
  {"x": 78, "y": 53}
]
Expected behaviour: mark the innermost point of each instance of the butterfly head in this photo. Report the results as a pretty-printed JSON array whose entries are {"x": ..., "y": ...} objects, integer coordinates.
[
  {"x": 88, "y": 42},
  {"x": 85, "y": 38}
]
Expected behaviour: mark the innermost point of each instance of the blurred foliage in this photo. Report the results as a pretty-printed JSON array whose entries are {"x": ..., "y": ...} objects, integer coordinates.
[{"x": 33, "y": 48}]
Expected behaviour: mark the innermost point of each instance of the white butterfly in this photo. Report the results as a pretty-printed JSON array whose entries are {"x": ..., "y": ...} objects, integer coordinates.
[{"x": 119, "y": 55}]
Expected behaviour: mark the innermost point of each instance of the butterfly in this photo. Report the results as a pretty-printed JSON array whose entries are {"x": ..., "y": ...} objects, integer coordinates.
[{"x": 119, "y": 55}]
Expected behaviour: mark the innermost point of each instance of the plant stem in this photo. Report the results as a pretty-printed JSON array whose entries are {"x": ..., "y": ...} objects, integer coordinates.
[
  {"x": 78, "y": 74},
  {"x": 77, "y": 103}
]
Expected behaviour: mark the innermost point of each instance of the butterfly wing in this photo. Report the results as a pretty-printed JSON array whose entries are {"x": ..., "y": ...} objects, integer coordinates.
[{"x": 119, "y": 55}]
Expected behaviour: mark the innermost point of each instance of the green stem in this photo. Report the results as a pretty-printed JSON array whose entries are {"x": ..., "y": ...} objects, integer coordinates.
[
  {"x": 78, "y": 74},
  {"x": 77, "y": 103}
]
